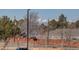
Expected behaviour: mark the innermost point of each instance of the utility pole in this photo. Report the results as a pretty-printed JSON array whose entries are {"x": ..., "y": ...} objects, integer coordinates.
[
  {"x": 14, "y": 27},
  {"x": 63, "y": 37},
  {"x": 28, "y": 27},
  {"x": 48, "y": 33}
]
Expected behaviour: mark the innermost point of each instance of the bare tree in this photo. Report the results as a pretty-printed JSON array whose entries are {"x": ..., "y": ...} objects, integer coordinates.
[{"x": 34, "y": 23}]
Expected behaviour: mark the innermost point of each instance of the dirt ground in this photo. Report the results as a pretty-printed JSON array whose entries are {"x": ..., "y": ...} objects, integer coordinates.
[
  {"x": 40, "y": 44},
  {"x": 47, "y": 49}
]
